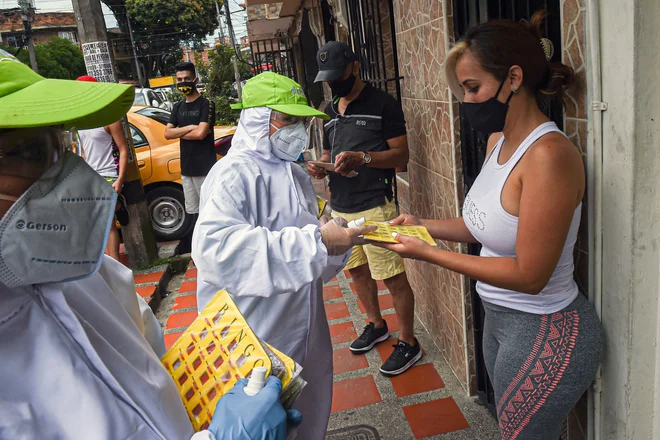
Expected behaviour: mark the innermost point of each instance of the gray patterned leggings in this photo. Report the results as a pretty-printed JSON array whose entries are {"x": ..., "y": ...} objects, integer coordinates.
[{"x": 540, "y": 365}]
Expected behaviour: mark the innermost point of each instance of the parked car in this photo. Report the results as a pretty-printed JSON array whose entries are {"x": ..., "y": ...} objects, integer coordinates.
[
  {"x": 160, "y": 168},
  {"x": 152, "y": 97}
]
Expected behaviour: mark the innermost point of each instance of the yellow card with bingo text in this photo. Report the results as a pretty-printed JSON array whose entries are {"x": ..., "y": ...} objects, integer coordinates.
[{"x": 384, "y": 232}]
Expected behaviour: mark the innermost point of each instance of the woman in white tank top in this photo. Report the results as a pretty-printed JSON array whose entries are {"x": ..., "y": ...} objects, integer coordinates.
[
  {"x": 542, "y": 338},
  {"x": 97, "y": 145}
]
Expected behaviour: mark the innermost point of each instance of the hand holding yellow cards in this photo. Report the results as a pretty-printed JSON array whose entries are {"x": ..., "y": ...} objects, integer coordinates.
[
  {"x": 218, "y": 349},
  {"x": 384, "y": 232}
]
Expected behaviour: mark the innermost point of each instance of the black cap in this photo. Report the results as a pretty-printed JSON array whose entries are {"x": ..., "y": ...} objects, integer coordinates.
[{"x": 332, "y": 60}]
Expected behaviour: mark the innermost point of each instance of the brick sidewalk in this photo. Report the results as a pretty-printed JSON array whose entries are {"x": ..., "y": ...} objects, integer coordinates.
[{"x": 425, "y": 402}]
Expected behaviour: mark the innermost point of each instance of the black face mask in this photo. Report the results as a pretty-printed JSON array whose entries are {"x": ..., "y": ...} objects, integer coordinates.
[
  {"x": 488, "y": 116},
  {"x": 343, "y": 87},
  {"x": 186, "y": 87}
]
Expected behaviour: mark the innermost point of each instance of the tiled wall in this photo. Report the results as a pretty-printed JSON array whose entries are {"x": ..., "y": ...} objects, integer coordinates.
[
  {"x": 574, "y": 55},
  {"x": 434, "y": 173},
  {"x": 388, "y": 52}
]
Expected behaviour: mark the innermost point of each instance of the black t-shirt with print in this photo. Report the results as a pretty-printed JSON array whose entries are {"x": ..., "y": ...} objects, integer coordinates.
[{"x": 197, "y": 156}]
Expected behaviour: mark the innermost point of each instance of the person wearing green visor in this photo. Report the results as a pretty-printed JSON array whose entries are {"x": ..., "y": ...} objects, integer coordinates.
[
  {"x": 259, "y": 237},
  {"x": 80, "y": 350}
]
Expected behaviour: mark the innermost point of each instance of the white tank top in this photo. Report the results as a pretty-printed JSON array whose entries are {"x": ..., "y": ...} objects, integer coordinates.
[
  {"x": 97, "y": 145},
  {"x": 496, "y": 230}
]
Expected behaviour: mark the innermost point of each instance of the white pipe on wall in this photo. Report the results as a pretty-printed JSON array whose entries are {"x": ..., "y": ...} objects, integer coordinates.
[{"x": 595, "y": 196}]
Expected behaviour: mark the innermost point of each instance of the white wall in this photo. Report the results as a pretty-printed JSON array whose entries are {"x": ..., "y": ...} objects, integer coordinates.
[{"x": 630, "y": 45}]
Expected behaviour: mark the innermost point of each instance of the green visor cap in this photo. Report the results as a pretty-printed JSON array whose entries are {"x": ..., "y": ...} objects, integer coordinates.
[
  {"x": 30, "y": 100},
  {"x": 277, "y": 92}
]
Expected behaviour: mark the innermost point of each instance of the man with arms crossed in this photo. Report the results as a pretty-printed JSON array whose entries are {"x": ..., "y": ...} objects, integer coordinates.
[{"x": 192, "y": 121}]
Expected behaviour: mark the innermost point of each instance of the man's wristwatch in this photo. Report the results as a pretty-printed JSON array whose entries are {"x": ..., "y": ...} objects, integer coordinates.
[{"x": 366, "y": 158}]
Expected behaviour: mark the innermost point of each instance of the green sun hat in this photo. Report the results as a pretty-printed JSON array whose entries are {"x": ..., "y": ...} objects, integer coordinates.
[
  {"x": 277, "y": 92},
  {"x": 30, "y": 100}
]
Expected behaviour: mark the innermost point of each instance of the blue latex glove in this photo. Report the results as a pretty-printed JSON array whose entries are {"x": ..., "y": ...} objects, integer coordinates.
[{"x": 261, "y": 417}]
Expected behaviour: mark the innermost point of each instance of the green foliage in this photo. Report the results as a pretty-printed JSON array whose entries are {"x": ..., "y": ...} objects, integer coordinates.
[
  {"x": 160, "y": 27},
  {"x": 59, "y": 58},
  {"x": 219, "y": 77},
  {"x": 224, "y": 115},
  {"x": 174, "y": 95}
]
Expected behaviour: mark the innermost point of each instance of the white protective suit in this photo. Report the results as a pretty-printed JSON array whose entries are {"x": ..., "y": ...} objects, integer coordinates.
[
  {"x": 258, "y": 238},
  {"x": 76, "y": 364}
]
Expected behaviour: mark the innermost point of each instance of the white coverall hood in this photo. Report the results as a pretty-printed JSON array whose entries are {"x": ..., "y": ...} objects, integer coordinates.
[{"x": 253, "y": 134}]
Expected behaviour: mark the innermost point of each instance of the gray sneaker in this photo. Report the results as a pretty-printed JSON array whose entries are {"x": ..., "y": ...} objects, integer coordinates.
[{"x": 370, "y": 337}]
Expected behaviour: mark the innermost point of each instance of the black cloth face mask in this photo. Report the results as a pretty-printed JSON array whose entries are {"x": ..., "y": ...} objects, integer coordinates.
[
  {"x": 186, "y": 87},
  {"x": 488, "y": 116},
  {"x": 343, "y": 87}
]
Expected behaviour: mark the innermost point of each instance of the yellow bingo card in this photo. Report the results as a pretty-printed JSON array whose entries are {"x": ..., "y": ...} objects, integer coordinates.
[{"x": 384, "y": 232}]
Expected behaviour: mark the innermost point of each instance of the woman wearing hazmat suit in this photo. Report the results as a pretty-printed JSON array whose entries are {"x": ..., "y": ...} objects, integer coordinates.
[
  {"x": 80, "y": 350},
  {"x": 258, "y": 237}
]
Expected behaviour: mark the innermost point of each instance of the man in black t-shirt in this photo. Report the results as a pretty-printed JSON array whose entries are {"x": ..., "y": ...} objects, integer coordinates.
[
  {"x": 192, "y": 121},
  {"x": 367, "y": 134}
]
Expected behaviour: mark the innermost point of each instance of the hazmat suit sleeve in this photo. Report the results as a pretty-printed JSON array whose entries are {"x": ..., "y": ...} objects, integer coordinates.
[
  {"x": 335, "y": 265},
  {"x": 120, "y": 280},
  {"x": 248, "y": 260}
]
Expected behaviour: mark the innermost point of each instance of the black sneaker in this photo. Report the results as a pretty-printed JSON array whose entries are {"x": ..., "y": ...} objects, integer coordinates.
[
  {"x": 370, "y": 337},
  {"x": 403, "y": 357}
]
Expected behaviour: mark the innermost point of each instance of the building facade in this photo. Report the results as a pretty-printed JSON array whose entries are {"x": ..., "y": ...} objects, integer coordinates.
[
  {"x": 612, "y": 118},
  {"x": 189, "y": 54},
  {"x": 45, "y": 26}
]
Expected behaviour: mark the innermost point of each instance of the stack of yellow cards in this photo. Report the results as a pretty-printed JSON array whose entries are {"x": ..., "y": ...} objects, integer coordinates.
[
  {"x": 322, "y": 205},
  {"x": 218, "y": 349},
  {"x": 384, "y": 232}
]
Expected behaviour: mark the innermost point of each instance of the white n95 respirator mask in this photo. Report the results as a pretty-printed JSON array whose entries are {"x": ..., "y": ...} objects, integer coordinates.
[
  {"x": 58, "y": 229},
  {"x": 288, "y": 142}
]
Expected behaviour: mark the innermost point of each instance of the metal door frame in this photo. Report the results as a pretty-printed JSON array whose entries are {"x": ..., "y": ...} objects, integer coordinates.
[{"x": 279, "y": 52}]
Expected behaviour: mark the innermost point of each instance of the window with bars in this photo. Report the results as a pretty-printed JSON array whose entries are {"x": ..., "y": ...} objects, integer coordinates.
[
  {"x": 372, "y": 35},
  {"x": 68, "y": 35},
  {"x": 15, "y": 41}
]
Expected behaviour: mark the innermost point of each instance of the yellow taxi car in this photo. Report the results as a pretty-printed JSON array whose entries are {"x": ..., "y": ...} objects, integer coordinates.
[{"x": 160, "y": 168}]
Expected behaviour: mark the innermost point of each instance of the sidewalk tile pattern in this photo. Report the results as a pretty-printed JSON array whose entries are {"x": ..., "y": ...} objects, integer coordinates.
[
  {"x": 354, "y": 393},
  {"x": 436, "y": 417},
  {"x": 146, "y": 284},
  {"x": 358, "y": 386}
]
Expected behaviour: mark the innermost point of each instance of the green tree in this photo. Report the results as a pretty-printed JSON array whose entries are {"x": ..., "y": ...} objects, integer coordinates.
[
  {"x": 59, "y": 58},
  {"x": 161, "y": 27},
  {"x": 219, "y": 77}
]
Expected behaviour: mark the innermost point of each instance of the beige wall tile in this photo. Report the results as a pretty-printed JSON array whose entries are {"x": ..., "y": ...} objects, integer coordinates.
[
  {"x": 413, "y": 13},
  {"x": 574, "y": 54}
]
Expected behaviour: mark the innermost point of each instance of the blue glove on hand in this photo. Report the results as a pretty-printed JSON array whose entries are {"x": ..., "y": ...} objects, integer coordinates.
[{"x": 261, "y": 417}]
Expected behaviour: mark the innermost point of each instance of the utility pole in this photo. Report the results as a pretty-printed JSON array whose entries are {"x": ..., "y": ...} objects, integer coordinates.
[
  {"x": 230, "y": 27},
  {"x": 135, "y": 58},
  {"x": 27, "y": 11},
  {"x": 221, "y": 32},
  {"x": 139, "y": 238},
  {"x": 237, "y": 75},
  {"x": 232, "y": 37}
]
